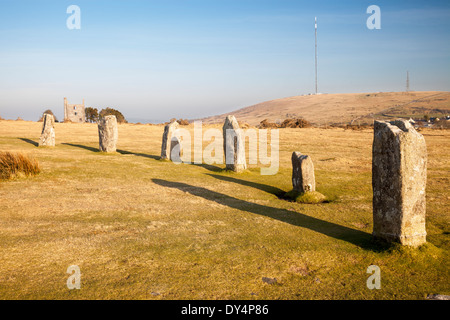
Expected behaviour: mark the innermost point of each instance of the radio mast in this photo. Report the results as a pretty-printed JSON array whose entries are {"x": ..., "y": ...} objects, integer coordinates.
[
  {"x": 407, "y": 81},
  {"x": 315, "y": 36}
]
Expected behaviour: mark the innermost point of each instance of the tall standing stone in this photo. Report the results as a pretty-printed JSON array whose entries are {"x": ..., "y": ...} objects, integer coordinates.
[
  {"x": 168, "y": 134},
  {"x": 233, "y": 145},
  {"x": 303, "y": 178},
  {"x": 108, "y": 133},
  {"x": 48, "y": 131},
  {"x": 399, "y": 177}
]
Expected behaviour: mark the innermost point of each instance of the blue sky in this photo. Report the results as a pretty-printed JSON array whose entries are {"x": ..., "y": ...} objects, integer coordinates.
[{"x": 189, "y": 59}]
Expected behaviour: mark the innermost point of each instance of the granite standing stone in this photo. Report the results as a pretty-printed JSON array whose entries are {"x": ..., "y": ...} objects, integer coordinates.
[
  {"x": 303, "y": 179},
  {"x": 233, "y": 145},
  {"x": 175, "y": 149},
  {"x": 48, "y": 131},
  {"x": 166, "y": 146},
  {"x": 399, "y": 177},
  {"x": 108, "y": 133}
]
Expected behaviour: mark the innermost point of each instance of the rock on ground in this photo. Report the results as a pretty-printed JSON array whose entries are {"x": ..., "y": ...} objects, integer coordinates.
[
  {"x": 399, "y": 177},
  {"x": 48, "y": 131},
  {"x": 233, "y": 145},
  {"x": 166, "y": 146},
  {"x": 108, "y": 134},
  {"x": 303, "y": 178}
]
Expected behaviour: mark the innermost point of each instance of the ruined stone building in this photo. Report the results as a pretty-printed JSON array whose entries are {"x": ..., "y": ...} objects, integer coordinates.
[{"x": 74, "y": 112}]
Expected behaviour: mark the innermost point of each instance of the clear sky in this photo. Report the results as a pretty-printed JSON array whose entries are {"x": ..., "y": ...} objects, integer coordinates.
[{"x": 159, "y": 59}]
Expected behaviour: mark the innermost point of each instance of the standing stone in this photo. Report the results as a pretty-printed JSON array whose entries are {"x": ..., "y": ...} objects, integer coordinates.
[
  {"x": 303, "y": 179},
  {"x": 399, "y": 177},
  {"x": 166, "y": 146},
  {"x": 48, "y": 131},
  {"x": 108, "y": 134},
  {"x": 175, "y": 149},
  {"x": 233, "y": 145}
]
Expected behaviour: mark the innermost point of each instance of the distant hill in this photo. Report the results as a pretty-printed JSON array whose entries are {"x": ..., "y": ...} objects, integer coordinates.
[{"x": 344, "y": 108}]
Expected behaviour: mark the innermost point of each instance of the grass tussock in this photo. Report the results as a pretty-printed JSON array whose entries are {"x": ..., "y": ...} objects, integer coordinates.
[{"x": 17, "y": 164}]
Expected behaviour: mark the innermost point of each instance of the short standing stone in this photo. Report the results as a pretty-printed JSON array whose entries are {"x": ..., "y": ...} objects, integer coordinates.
[
  {"x": 108, "y": 133},
  {"x": 233, "y": 145},
  {"x": 169, "y": 133},
  {"x": 48, "y": 131},
  {"x": 399, "y": 177},
  {"x": 303, "y": 179}
]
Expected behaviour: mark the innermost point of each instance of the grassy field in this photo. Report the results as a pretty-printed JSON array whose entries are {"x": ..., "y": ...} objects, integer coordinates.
[{"x": 142, "y": 228}]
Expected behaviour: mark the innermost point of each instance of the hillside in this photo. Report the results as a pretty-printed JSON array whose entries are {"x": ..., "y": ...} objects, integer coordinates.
[{"x": 344, "y": 108}]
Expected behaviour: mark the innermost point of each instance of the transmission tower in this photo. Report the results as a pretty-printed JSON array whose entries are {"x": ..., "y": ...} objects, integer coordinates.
[
  {"x": 315, "y": 36},
  {"x": 407, "y": 81}
]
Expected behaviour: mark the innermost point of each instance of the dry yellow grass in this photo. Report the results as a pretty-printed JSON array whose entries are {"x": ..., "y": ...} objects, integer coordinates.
[
  {"x": 141, "y": 228},
  {"x": 16, "y": 164}
]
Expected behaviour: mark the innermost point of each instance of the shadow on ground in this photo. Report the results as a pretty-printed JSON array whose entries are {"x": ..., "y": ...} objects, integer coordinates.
[
  {"x": 209, "y": 167},
  {"x": 34, "y": 143},
  {"x": 356, "y": 237},
  {"x": 150, "y": 156},
  {"x": 138, "y": 154},
  {"x": 82, "y": 147},
  {"x": 203, "y": 165},
  {"x": 264, "y": 187}
]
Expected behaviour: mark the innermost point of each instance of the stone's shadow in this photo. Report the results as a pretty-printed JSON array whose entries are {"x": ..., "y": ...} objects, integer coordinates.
[
  {"x": 138, "y": 154},
  {"x": 34, "y": 143},
  {"x": 356, "y": 237},
  {"x": 203, "y": 165},
  {"x": 209, "y": 167},
  {"x": 206, "y": 166},
  {"x": 264, "y": 187},
  {"x": 81, "y": 146}
]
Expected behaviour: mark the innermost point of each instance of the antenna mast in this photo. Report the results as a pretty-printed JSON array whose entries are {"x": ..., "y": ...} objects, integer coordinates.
[
  {"x": 315, "y": 35},
  {"x": 407, "y": 81}
]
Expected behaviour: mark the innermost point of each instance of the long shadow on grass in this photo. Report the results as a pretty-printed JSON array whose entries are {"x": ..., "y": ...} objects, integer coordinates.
[
  {"x": 34, "y": 143},
  {"x": 138, "y": 154},
  {"x": 264, "y": 187},
  {"x": 82, "y": 147},
  {"x": 209, "y": 167},
  {"x": 356, "y": 237},
  {"x": 206, "y": 166},
  {"x": 203, "y": 165}
]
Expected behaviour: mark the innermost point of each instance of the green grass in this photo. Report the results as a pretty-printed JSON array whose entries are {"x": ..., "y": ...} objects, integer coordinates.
[
  {"x": 312, "y": 197},
  {"x": 141, "y": 228}
]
